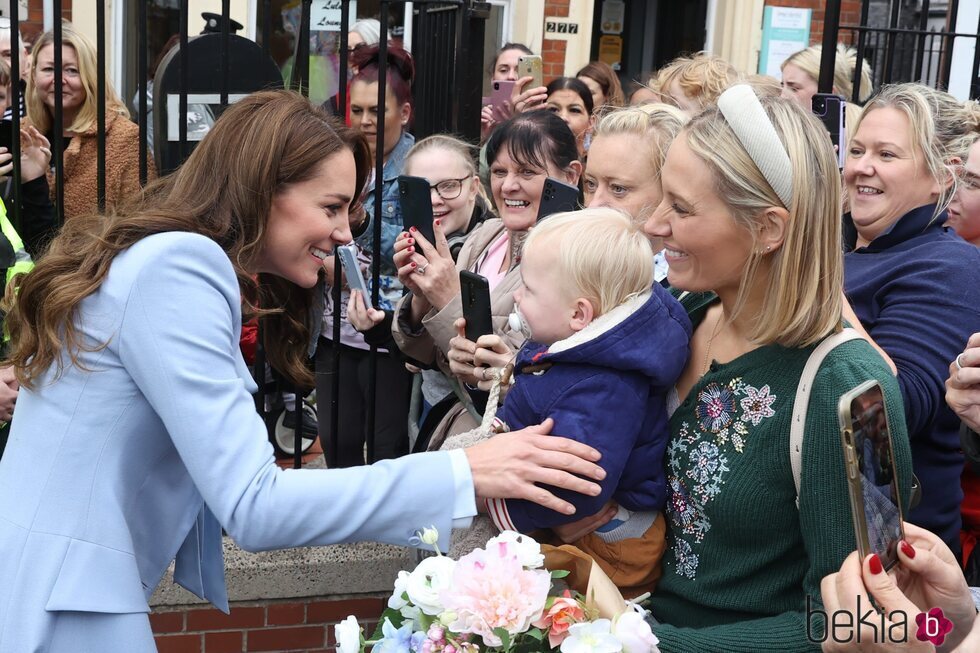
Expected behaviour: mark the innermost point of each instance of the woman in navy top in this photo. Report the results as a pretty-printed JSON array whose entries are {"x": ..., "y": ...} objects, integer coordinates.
[{"x": 914, "y": 284}]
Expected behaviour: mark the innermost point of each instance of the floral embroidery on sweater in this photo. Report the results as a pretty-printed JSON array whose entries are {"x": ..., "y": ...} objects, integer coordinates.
[{"x": 698, "y": 460}]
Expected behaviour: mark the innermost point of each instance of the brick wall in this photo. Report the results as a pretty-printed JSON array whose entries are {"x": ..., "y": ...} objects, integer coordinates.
[
  {"x": 269, "y": 626},
  {"x": 553, "y": 52},
  {"x": 850, "y": 14},
  {"x": 34, "y": 25}
]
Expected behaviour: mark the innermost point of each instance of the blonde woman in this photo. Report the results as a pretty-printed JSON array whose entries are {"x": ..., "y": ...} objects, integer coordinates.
[
  {"x": 914, "y": 285},
  {"x": 760, "y": 255},
  {"x": 627, "y": 152},
  {"x": 80, "y": 121}
]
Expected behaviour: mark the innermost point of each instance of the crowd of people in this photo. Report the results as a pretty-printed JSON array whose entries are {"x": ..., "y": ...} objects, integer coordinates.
[{"x": 637, "y": 395}]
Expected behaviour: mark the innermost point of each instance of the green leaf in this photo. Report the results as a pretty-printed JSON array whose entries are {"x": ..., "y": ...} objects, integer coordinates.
[
  {"x": 559, "y": 573},
  {"x": 504, "y": 637},
  {"x": 535, "y": 633},
  {"x": 394, "y": 616}
]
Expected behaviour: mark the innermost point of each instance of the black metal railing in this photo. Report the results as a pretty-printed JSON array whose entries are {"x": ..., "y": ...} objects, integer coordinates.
[
  {"x": 907, "y": 49},
  {"x": 449, "y": 52}
]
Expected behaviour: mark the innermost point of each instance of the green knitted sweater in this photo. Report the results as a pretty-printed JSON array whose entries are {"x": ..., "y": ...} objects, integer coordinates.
[{"x": 741, "y": 558}]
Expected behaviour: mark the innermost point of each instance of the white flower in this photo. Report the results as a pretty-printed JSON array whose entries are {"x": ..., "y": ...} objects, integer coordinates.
[
  {"x": 591, "y": 637},
  {"x": 348, "y": 635},
  {"x": 398, "y": 600},
  {"x": 427, "y": 582},
  {"x": 634, "y": 632},
  {"x": 429, "y": 536},
  {"x": 527, "y": 550}
]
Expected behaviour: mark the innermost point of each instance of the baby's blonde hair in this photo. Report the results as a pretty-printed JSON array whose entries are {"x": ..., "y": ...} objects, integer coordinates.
[
  {"x": 601, "y": 252},
  {"x": 702, "y": 76}
]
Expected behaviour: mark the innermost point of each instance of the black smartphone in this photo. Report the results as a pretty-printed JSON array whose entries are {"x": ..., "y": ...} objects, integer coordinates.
[
  {"x": 557, "y": 197},
  {"x": 6, "y": 136},
  {"x": 871, "y": 474},
  {"x": 475, "y": 295},
  {"x": 830, "y": 109},
  {"x": 416, "y": 203}
]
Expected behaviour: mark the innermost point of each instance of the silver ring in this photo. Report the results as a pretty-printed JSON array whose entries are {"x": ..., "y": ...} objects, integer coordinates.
[
  {"x": 421, "y": 269},
  {"x": 959, "y": 365}
]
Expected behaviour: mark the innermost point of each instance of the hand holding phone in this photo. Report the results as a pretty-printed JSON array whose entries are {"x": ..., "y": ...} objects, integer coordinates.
[
  {"x": 871, "y": 473},
  {"x": 475, "y": 296},
  {"x": 502, "y": 89}
]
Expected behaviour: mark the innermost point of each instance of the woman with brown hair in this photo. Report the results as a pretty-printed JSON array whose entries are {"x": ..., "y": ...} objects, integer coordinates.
[
  {"x": 603, "y": 83},
  {"x": 136, "y": 439}
]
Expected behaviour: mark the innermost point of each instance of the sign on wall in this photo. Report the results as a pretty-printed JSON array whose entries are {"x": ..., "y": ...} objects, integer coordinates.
[
  {"x": 325, "y": 15},
  {"x": 560, "y": 29},
  {"x": 785, "y": 30}
]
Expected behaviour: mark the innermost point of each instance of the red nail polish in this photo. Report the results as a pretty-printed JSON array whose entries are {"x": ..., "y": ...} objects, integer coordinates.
[
  {"x": 907, "y": 549},
  {"x": 438, "y": 223},
  {"x": 412, "y": 229},
  {"x": 874, "y": 564},
  {"x": 411, "y": 250},
  {"x": 413, "y": 264},
  {"x": 411, "y": 241}
]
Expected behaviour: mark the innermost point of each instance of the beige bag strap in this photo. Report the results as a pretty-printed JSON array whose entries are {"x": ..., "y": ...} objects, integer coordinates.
[{"x": 802, "y": 402}]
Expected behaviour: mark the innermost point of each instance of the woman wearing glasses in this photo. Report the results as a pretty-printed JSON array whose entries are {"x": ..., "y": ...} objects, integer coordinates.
[
  {"x": 522, "y": 152},
  {"x": 459, "y": 203}
]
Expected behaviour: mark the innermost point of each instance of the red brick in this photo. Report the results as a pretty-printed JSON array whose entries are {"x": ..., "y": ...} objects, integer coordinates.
[
  {"x": 285, "y": 614},
  {"x": 227, "y": 642},
  {"x": 167, "y": 622},
  {"x": 216, "y": 620},
  {"x": 279, "y": 639},
  {"x": 178, "y": 643},
  {"x": 321, "y": 612}
]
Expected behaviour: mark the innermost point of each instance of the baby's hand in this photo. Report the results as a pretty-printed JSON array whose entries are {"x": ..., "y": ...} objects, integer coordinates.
[{"x": 361, "y": 317}]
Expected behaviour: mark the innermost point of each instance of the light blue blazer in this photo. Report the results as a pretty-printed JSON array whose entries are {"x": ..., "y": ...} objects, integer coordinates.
[{"x": 113, "y": 472}]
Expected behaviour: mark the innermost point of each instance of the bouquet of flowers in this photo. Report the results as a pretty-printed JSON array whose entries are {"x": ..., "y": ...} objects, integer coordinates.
[{"x": 496, "y": 599}]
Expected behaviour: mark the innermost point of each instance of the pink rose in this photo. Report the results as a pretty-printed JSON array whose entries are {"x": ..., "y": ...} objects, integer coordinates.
[
  {"x": 564, "y": 612},
  {"x": 491, "y": 589}
]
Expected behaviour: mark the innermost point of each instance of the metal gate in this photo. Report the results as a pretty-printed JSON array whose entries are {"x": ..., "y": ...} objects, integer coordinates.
[{"x": 448, "y": 53}]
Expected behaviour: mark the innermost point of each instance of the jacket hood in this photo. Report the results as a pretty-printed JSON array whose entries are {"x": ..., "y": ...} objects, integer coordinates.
[{"x": 649, "y": 334}]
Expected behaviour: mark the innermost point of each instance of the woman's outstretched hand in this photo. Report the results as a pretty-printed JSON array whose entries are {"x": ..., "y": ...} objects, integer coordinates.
[{"x": 516, "y": 465}]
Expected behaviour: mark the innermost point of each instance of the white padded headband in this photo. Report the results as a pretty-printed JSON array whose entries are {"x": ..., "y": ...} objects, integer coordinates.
[{"x": 744, "y": 114}]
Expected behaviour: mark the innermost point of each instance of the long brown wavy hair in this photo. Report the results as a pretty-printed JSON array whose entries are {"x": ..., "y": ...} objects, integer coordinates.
[{"x": 259, "y": 146}]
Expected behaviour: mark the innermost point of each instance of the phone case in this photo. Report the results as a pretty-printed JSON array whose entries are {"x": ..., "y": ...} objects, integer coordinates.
[
  {"x": 830, "y": 109},
  {"x": 557, "y": 197},
  {"x": 416, "y": 205},
  {"x": 475, "y": 296},
  {"x": 855, "y": 479},
  {"x": 531, "y": 66},
  {"x": 355, "y": 280},
  {"x": 501, "y": 91}
]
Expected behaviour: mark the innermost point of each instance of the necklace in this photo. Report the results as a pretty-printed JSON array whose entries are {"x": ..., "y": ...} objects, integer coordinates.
[{"x": 711, "y": 339}]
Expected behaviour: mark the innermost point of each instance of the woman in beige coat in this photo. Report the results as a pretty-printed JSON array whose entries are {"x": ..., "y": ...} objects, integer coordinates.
[
  {"x": 79, "y": 73},
  {"x": 522, "y": 152}
]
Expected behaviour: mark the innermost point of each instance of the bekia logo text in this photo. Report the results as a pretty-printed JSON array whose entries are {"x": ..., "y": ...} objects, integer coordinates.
[{"x": 876, "y": 627}]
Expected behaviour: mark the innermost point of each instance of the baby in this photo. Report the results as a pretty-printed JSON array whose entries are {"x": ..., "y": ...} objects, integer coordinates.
[{"x": 605, "y": 344}]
